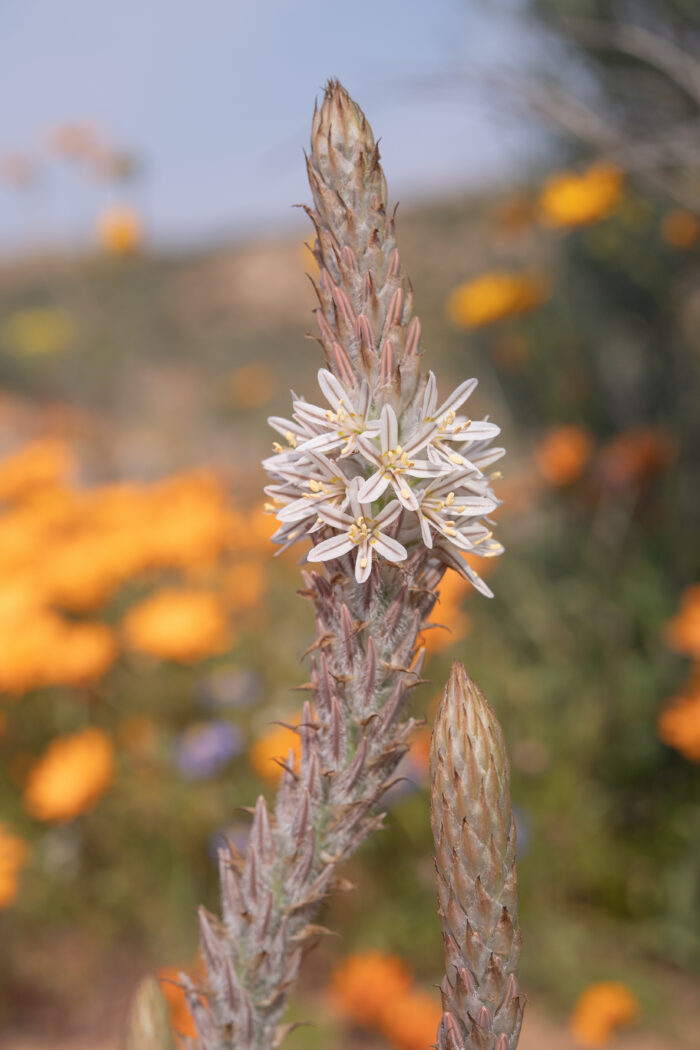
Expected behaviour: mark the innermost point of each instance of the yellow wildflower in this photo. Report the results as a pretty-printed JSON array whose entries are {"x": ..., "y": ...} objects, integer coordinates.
[
  {"x": 38, "y": 332},
  {"x": 495, "y": 296},
  {"x": 571, "y": 199}
]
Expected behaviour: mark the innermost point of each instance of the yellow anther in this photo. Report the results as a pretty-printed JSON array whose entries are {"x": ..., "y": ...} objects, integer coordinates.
[
  {"x": 454, "y": 458},
  {"x": 450, "y": 499},
  {"x": 291, "y": 440},
  {"x": 450, "y": 531},
  {"x": 277, "y": 447},
  {"x": 496, "y": 475},
  {"x": 314, "y": 485},
  {"x": 363, "y": 563},
  {"x": 405, "y": 493}
]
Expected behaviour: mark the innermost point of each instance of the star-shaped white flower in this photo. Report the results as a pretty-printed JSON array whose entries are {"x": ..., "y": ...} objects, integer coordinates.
[
  {"x": 340, "y": 426},
  {"x": 394, "y": 463},
  {"x": 444, "y": 508},
  {"x": 448, "y": 427},
  {"x": 360, "y": 531}
]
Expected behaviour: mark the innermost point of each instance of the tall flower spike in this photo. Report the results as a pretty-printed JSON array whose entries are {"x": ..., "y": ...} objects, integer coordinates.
[
  {"x": 364, "y": 479},
  {"x": 475, "y": 838}
]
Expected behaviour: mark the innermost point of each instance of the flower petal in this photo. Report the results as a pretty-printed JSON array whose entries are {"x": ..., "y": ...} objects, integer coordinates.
[
  {"x": 373, "y": 487},
  {"x": 335, "y": 547}
]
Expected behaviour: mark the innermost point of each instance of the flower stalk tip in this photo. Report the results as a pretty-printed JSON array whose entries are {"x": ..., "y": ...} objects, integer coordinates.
[{"x": 475, "y": 840}]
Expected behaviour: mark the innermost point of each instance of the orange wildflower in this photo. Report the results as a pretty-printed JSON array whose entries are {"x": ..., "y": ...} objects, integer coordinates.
[
  {"x": 680, "y": 229},
  {"x": 410, "y": 1021},
  {"x": 190, "y": 523},
  {"x": 571, "y": 199},
  {"x": 184, "y": 624},
  {"x": 601, "y": 1010},
  {"x": 252, "y": 385},
  {"x": 363, "y": 984},
  {"x": 180, "y": 1016},
  {"x": 679, "y": 724},
  {"x": 83, "y": 654},
  {"x": 683, "y": 631},
  {"x": 120, "y": 230},
  {"x": 495, "y": 296},
  {"x": 81, "y": 571},
  {"x": 69, "y": 778},
  {"x": 452, "y": 623},
  {"x": 273, "y": 747},
  {"x": 245, "y": 585},
  {"x": 562, "y": 454},
  {"x": 41, "y": 464},
  {"x": 13, "y": 856},
  {"x": 634, "y": 456}
]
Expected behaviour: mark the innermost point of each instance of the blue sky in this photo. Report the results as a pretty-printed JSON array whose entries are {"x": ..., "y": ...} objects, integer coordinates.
[{"x": 216, "y": 98}]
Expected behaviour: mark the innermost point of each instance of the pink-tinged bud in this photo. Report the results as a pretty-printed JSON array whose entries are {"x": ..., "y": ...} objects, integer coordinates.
[
  {"x": 394, "y": 266},
  {"x": 341, "y": 366},
  {"x": 388, "y": 363},
  {"x": 395, "y": 309},
  {"x": 413, "y": 334},
  {"x": 344, "y": 307}
]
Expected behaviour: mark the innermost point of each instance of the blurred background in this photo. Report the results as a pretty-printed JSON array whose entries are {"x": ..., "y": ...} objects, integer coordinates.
[{"x": 153, "y": 307}]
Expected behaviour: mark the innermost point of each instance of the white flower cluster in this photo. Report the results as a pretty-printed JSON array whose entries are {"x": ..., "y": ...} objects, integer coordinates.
[{"x": 382, "y": 485}]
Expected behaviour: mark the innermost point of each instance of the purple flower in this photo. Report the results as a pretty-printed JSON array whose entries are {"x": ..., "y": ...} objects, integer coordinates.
[{"x": 205, "y": 748}]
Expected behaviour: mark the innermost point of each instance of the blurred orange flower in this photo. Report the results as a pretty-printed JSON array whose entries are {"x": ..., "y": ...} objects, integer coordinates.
[
  {"x": 245, "y": 585},
  {"x": 409, "y": 1021},
  {"x": 82, "y": 655},
  {"x": 680, "y": 229},
  {"x": 452, "y": 622},
  {"x": 634, "y": 456},
  {"x": 679, "y": 724},
  {"x": 273, "y": 747},
  {"x": 562, "y": 454},
  {"x": 362, "y": 986},
  {"x": 190, "y": 521},
  {"x": 184, "y": 624},
  {"x": 120, "y": 230},
  {"x": 252, "y": 385},
  {"x": 41, "y": 464},
  {"x": 495, "y": 296},
  {"x": 683, "y": 631},
  {"x": 600, "y": 1010},
  {"x": 180, "y": 1016},
  {"x": 13, "y": 856},
  {"x": 571, "y": 199},
  {"x": 70, "y": 777}
]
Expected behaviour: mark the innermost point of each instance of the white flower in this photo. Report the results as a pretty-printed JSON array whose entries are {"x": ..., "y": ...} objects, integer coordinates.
[
  {"x": 339, "y": 426},
  {"x": 358, "y": 530},
  {"x": 444, "y": 509},
  {"x": 394, "y": 462},
  {"x": 448, "y": 427}
]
